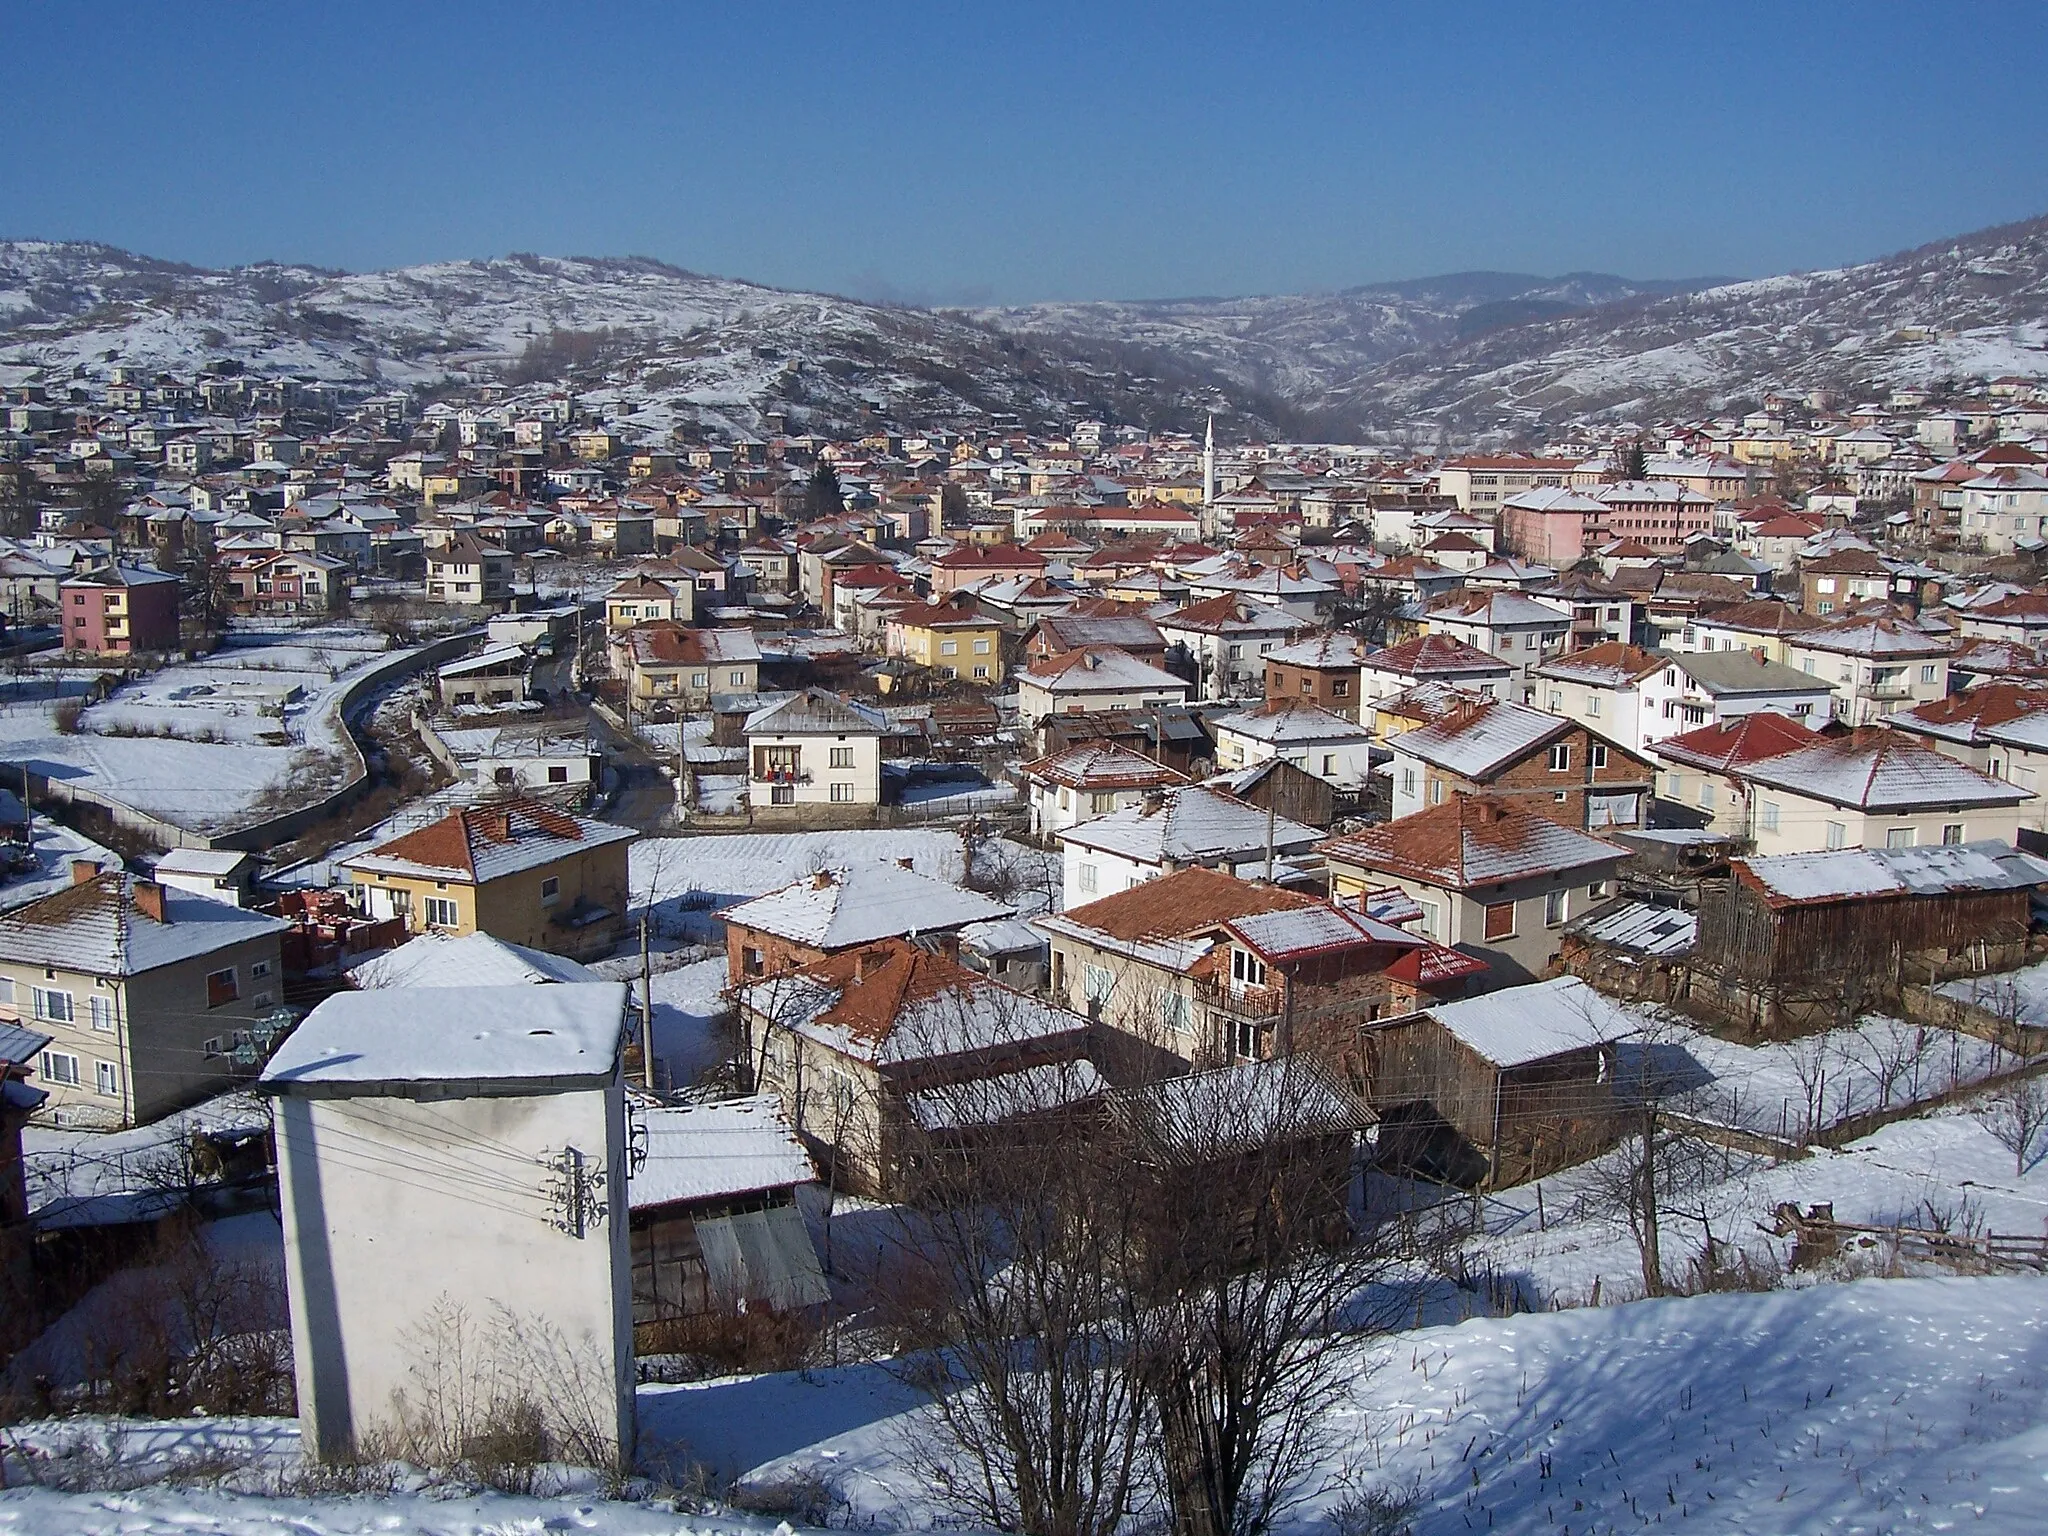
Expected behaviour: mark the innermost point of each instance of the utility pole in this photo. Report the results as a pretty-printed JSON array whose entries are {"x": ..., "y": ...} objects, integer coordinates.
[{"x": 646, "y": 1007}]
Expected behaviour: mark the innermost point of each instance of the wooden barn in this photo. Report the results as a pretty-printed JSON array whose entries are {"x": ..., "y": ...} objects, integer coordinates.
[{"x": 1499, "y": 1089}]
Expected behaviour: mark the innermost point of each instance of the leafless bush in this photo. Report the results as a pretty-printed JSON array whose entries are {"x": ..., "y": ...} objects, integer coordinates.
[
  {"x": 808, "y": 1500},
  {"x": 2017, "y": 1114},
  {"x": 66, "y": 715},
  {"x": 722, "y": 1344}
]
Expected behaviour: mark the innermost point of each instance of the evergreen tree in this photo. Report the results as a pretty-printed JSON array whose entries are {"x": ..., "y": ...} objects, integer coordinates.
[
  {"x": 1635, "y": 462},
  {"x": 824, "y": 498}
]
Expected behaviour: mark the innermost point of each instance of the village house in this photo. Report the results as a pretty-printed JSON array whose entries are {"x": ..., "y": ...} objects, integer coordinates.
[
  {"x": 666, "y": 664},
  {"x": 1213, "y": 969},
  {"x": 472, "y": 960},
  {"x": 1875, "y": 666},
  {"x": 965, "y": 564},
  {"x": 1637, "y": 697},
  {"x": 814, "y": 749},
  {"x": 833, "y": 910},
  {"x": 1228, "y": 638},
  {"x": 516, "y": 869},
  {"x": 1436, "y": 659},
  {"x": 1314, "y": 740},
  {"x": 1091, "y": 681},
  {"x": 1481, "y": 485},
  {"x": 1548, "y": 764},
  {"x": 1554, "y": 524},
  {"x": 1498, "y": 1090},
  {"x": 1321, "y": 669},
  {"x": 445, "y": 1147},
  {"x": 153, "y": 998},
  {"x": 495, "y": 678},
  {"x": 1180, "y": 829},
  {"x": 1999, "y": 728},
  {"x": 467, "y": 573},
  {"x": 1703, "y": 779},
  {"x": 287, "y": 583},
  {"x": 1089, "y": 779},
  {"x": 1874, "y": 788},
  {"x": 1843, "y": 578},
  {"x": 641, "y": 598},
  {"x": 1096, "y": 622},
  {"x": 882, "y": 1051},
  {"x": 1494, "y": 880},
  {"x": 770, "y": 565},
  {"x": 119, "y": 610},
  {"x": 951, "y": 636},
  {"x": 1519, "y": 630}
]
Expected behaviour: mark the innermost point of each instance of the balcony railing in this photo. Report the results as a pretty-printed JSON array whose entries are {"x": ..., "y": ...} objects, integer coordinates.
[
  {"x": 781, "y": 776},
  {"x": 1239, "y": 1001}
]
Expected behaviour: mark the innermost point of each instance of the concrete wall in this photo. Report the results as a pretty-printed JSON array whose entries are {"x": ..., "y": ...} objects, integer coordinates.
[{"x": 393, "y": 1207}]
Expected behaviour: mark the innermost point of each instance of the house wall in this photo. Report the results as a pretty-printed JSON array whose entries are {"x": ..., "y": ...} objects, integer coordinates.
[
  {"x": 975, "y": 654},
  {"x": 860, "y": 781},
  {"x": 1034, "y": 703},
  {"x": 1560, "y": 794},
  {"x": 1149, "y": 1003},
  {"x": 373, "y": 1192},
  {"x": 1055, "y": 807},
  {"x": 1458, "y": 918},
  {"x": 1789, "y": 823},
  {"x": 1336, "y": 689},
  {"x": 511, "y": 907},
  {"x": 1337, "y": 762},
  {"x": 1865, "y": 691},
  {"x": 155, "y": 1036}
]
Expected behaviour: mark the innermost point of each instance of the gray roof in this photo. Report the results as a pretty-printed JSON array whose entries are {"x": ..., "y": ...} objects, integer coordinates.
[
  {"x": 20, "y": 1046},
  {"x": 96, "y": 927},
  {"x": 1720, "y": 672},
  {"x": 815, "y": 713}
]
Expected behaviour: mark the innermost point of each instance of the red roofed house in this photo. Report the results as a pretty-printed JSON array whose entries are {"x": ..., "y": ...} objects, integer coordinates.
[
  {"x": 1089, "y": 779},
  {"x": 518, "y": 870},
  {"x": 1493, "y": 880},
  {"x": 1549, "y": 765},
  {"x": 1213, "y": 969},
  {"x": 1433, "y": 659},
  {"x": 957, "y": 567},
  {"x": 1703, "y": 768}
]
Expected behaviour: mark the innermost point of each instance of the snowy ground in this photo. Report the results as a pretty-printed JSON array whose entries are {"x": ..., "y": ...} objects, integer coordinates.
[
  {"x": 1899, "y": 1405},
  {"x": 690, "y": 1039},
  {"x": 208, "y": 745},
  {"x": 2018, "y": 995}
]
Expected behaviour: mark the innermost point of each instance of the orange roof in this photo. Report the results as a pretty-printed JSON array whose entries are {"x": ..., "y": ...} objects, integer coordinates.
[{"x": 1184, "y": 903}]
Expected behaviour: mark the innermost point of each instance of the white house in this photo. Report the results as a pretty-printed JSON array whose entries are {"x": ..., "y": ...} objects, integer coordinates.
[
  {"x": 1874, "y": 666},
  {"x": 814, "y": 749},
  {"x": 1327, "y": 745},
  {"x": 1089, "y": 779},
  {"x": 1094, "y": 678},
  {"x": 452, "y": 1175},
  {"x": 1228, "y": 638},
  {"x": 1179, "y": 829},
  {"x": 1518, "y": 629},
  {"x": 1638, "y": 697}
]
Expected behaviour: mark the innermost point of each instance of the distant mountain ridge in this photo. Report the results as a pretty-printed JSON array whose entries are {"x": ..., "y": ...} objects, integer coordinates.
[{"x": 1463, "y": 355}]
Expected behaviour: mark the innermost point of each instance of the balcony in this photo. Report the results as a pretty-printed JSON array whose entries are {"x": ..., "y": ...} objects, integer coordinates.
[
  {"x": 779, "y": 776},
  {"x": 1240, "y": 1001}
]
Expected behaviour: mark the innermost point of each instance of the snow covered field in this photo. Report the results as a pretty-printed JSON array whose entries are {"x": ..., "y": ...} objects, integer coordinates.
[
  {"x": 1898, "y": 1405},
  {"x": 211, "y": 744}
]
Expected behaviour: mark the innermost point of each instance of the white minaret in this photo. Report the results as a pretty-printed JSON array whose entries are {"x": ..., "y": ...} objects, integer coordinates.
[{"x": 1209, "y": 462}]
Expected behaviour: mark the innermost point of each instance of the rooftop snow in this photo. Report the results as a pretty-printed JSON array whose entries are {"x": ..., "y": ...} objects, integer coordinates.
[
  {"x": 705, "y": 1151},
  {"x": 1520, "y": 1025},
  {"x": 860, "y": 903}
]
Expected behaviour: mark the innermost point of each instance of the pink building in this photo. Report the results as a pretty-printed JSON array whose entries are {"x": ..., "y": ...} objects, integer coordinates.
[
  {"x": 120, "y": 610},
  {"x": 1553, "y": 525}
]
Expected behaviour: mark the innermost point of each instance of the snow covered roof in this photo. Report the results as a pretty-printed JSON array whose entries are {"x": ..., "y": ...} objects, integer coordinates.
[
  {"x": 476, "y": 843},
  {"x": 709, "y": 1151},
  {"x": 358, "y": 1041},
  {"x": 1096, "y": 669},
  {"x": 218, "y": 863},
  {"x": 1201, "y": 1117},
  {"x": 1436, "y": 655},
  {"x": 1289, "y": 720},
  {"x": 984, "y": 1101},
  {"x": 1190, "y": 825},
  {"x": 1931, "y": 870},
  {"x": 1479, "y": 741},
  {"x": 471, "y": 960},
  {"x": 1881, "y": 770},
  {"x": 99, "y": 926},
  {"x": 860, "y": 903},
  {"x": 1638, "y": 925},
  {"x": 1100, "y": 765},
  {"x": 1327, "y": 648},
  {"x": 1469, "y": 841},
  {"x": 1520, "y": 1025},
  {"x": 815, "y": 713},
  {"x": 1496, "y": 610},
  {"x": 483, "y": 661},
  {"x": 1883, "y": 638}
]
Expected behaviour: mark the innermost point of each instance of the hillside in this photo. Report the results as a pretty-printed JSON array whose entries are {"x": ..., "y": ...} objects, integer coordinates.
[{"x": 1462, "y": 355}]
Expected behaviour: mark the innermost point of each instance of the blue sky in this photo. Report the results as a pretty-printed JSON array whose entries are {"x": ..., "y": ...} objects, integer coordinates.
[{"x": 962, "y": 153}]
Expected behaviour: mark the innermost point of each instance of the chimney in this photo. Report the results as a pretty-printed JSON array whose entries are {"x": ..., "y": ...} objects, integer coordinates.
[
  {"x": 1486, "y": 812},
  {"x": 1155, "y": 801},
  {"x": 149, "y": 900},
  {"x": 83, "y": 870}
]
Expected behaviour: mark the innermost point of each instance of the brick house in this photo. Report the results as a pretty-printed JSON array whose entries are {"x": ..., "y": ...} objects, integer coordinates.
[
  {"x": 834, "y": 910},
  {"x": 1321, "y": 669},
  {"x": 1545, "y": 763}
]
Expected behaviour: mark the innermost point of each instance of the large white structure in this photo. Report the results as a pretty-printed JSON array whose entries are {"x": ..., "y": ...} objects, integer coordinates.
[{"x": 457, "y": 1153}]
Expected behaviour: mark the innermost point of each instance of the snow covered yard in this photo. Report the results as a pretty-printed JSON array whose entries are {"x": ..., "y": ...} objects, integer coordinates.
[{"x": 211, "y": 744}]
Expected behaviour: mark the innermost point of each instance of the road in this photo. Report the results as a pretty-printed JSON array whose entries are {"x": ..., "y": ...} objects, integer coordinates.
[{"x": 647, "y": 796}]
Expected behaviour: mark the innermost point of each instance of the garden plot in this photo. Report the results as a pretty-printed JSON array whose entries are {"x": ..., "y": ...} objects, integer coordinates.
[{"x": 209, "y": 745}]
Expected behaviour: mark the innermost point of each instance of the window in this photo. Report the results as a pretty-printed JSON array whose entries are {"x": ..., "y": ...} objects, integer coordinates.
[
  {"x": 6, "y": 990},
  {"x": 222, "y": 986},
  {"x": 1838, "y": 835},
  {"x": 1097, "y": 982},
  {"x": 1340, "y": 688},
  {"x": 1597, "y": 891},
  {"x": 949, "y": 647},
  {"x": 981, "y": 648},
  {"x": 441, "y": 912},
  {"x": 1952, "y": 832},
  {"x": 1500, "y": 920},
  {"x": 1899, "y": 837},
  {"x": 1556, "y": 702},
  {"x": 736, "y": 678},
  {"x": 1084, "y": 877},
  {"x": 1174, "y": 1012},
  {"x": 842, "y": 757},
  {"x": 1245, "y": 1039},
  {"x": 1927, "y": 673},
  {"x": 1593, "y": 709},
  {"x": 1597, "y": 754},
  {"x": 60, "y": 1067},
  {"x": 101, "y": 1012},
  {"x": 1329, "y": 764},
  {"x": 1101, "y": 802},
  {"x": 1436, "y": 791},
  {"x": 1561, "y": 758},
  {"x": 106, "y": 1078},
  {"x": 1247, "y": 969},
  {"x": 550, "y": 889},
  {"x": 557, "y": 774},
  {"x": 55, "y": 1006},
  {"x": 1432, "y": 916},
  {"x": 1770, "y": 815},
  {"x": 842, "y": 794},
  {"x": 1407, "y": 781},
  {"x": 1554, "y": 909},
  {"x": 700, "y": 679}
]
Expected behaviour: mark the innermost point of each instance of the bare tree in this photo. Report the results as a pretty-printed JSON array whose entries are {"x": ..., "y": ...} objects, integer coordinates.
[{"x": 2017, "y": 1114}]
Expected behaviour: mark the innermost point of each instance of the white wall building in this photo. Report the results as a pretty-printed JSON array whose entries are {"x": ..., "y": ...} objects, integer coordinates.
[{"x": 458, "y": 1148}]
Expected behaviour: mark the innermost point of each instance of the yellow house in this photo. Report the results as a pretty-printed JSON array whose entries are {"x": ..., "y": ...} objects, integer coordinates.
[
  {"x": 950, "y": 638},
  {"x": 517, "y": 870},
  {"x": 640, "y": 598}
]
